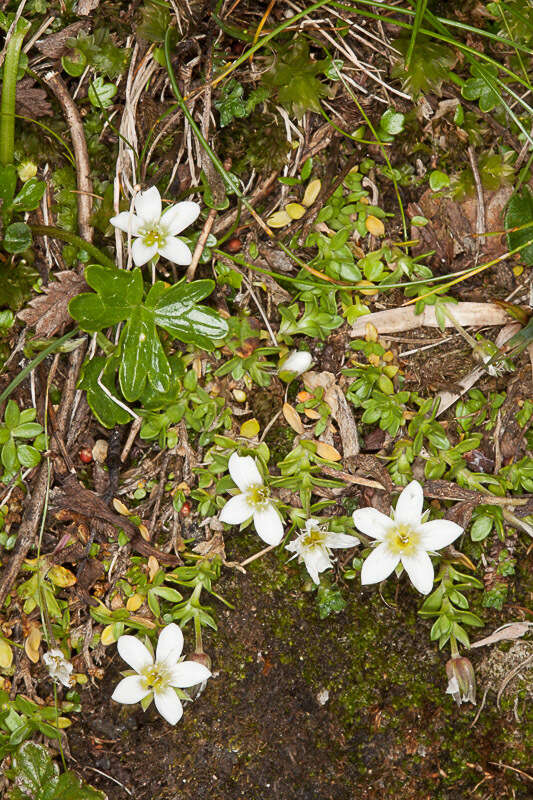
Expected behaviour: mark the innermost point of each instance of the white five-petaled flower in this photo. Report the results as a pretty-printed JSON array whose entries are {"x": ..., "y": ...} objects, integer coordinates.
[
  {"x": 404, "y": 538},
  {"x": 314, "y": 544},
  {"x": 156, "y": 230},
  {"x": 252, "y": 501},
  {"x": 59, "y": 668},
  {"x": 159, "y": 677}
]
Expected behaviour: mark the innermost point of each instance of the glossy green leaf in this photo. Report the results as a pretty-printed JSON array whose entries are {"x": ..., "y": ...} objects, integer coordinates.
[
  {"x": 17, "y": 237},
  {"x": 106, "y": 411},
  {"x": 29, "y": 196},
  {"x": 519, "y": 213}
]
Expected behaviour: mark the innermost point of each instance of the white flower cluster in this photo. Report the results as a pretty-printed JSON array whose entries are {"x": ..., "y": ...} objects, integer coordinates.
[{"x": 403, "y": 538}]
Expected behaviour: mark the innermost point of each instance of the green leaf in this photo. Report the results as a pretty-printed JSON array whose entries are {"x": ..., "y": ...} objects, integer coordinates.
[
  {"x": 390, "y": 124},
  {"x": 481, "y": 528},
  {"x": 17, "y": 237},
  {"x": 429, "y": 65},
  {"x": 520, "y": 213},
  {"x": 294, "y": 74},
  {"x": 479, "y": 87},
  {"x": 117, "y": 291},
  {"x": 438, "y": 180},
  {"x": 74, "y": 63},
  {"x": 178, "y": 313},
  {"x": 12, "y": 415},
  {"x": 28, "y": 430},
  {"x": 142, "y": 356},
  {"x": 231, "y": 104},
  {"x": 28, "y": 456},
  {"x": 34, "y": 769},
  {"x": 9, "y": 456},
  {"x": 101, "y": 52},
  {"x": 107, "y": 412},
  {"x": 101, "y": 94},
  {"x": 29, "y": 196}
]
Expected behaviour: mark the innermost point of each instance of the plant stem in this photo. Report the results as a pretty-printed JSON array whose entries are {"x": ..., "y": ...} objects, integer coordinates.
[
  {"x": 9, "y": 91},
  {"x": 73, "y": 238}
]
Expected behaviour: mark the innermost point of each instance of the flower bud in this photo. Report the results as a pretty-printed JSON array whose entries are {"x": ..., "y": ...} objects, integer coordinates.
[
  {"x": 461, "y": 680},
  {"x": 295, "y": 364}
]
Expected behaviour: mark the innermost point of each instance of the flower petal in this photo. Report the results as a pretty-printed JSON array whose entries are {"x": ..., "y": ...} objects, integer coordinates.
[
  {"x": 379, "y": 564},
  {"x": 126, "y": 222},
  {"x": 134, "y": 652},
  {"x": 439, "y": 533},
  {"x": 169, "y": 705},
  {"x": 244, "y": 472},
  {"x": 410, "y": 503},
  {"x": 188, "y": 673},
  {"x": 148, "y": 206},
  {"x": 169, "y": 644},
  {"x": 372, "y": 522},
  {"x": 316, "y": 560},
  {"x": 341, "y": 540},
  {"x": 420, "y": 570},
  {"x": 268, "y": 525},
  {"x": 179, "y": 216},
  {"x": 176, "y": 251},
  {"x": 142, "y": 253},
  {"x": 236, "y": 510},
  {"x": 130, "y": 690}
]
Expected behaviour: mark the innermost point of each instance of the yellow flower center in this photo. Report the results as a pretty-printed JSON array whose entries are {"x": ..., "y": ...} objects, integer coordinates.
[
  {"x": 257, "y": 495},
  {"x": 403, "y": 539},
  {"x": 314, "y": 537},
  {"x": 153, "y": 237},
  {"x": 155, "y": 676}
]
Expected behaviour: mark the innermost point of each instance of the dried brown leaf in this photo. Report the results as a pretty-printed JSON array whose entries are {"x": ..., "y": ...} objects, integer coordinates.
[
  {"x": 55, "y": 45},
  {"x": 48, "y": 313},
  {"x": 31, "y": 100},
  {"x": 514, "y": 630},
  {"x": 293, "y": 418},
  {"x": 212, "y": 548}
]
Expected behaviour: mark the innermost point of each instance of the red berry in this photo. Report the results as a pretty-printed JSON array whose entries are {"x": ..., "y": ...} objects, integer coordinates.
[
  {"x": 185, "y": 509},
  {"x": 86, "y": 455},
  {"x": 234, "y": 245}
]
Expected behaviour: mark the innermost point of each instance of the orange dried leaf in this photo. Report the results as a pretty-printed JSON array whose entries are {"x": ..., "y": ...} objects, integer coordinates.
[
  {"x": 328, "y": 451},
  {"x": 293, "y": 418},
  {"x": 374, "y": 226}
]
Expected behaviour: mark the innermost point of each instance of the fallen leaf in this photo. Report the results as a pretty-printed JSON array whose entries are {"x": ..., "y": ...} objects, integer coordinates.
[
  {"x": 135, "y": 602},
  {"x": 279, "y": 220},
  {"x": 212, "y": 548},
  {"x": 32, "y": 644},
  {"x": 311, "y": 192},
  {"x": 374, "y": 225},
  {"x": 108, "y": 635},
  {"x": 311, "y": 413},
  {"x": 31, "y": 100},
  {"x": 293, "y": 418},
  {"x": 250, "y": 428},
  {"x": 61, "y": 576},
  {"x": 405, "y": 318},
  {"x": 48, "y": 313},
  {"x": 295, "y": 210},
  {"x": 55, "y": 44},
  {"x": 153, "y": 567},
  {"x": 120, "y": 508},
  {"x": 6, "y": 654},
  {"x": 514, "y": 630},
  {"x": 340, "y": 409},
  {"x": 327, "y": 451}
]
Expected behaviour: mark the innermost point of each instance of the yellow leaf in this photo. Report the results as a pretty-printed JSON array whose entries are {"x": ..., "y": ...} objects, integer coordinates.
[
  {"x": 31, "y": 644},
  {"x": 374, "y": 226},
  {"x": 108, "y": 636},
  {"x": 371, "y": 332},
  {"x": 367, "y": 287},
  {"x": 293, "y": 418},
  {"x": 6, "y": 654},
  {"x": 143, "y": 530},
  {"x": 61, "y": 576},
  {"x": 311, "y": 192},
  {"x": 327, "y": 451},
  {"x": 250, "y": 428},
  {"x": 279, "y": 220},
  {"x": 120, "y": 508},
  {"x": 63, "y": 722},
  {"x": 153, "y": 566},
  {"x": 295, "y": 210},
  {"x": 134, "y": 602}
]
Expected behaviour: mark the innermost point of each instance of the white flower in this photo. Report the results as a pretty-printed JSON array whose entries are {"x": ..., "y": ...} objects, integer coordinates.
[
  {"x": 156, "y": 230},
  {"x": 253, "y": 501},
  {"x": 160, "y": 677},
  {"x": 405, "y": 537},
  {"x": 295, "y": 364},
  {"x": 314, "y": 544},
  {"x": 59, "y": 668}
]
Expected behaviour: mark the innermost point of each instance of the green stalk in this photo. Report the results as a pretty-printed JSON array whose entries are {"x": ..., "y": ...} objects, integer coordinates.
[
  {"x": 9, "y": 91},
  {"x": 73, "y": 238}
]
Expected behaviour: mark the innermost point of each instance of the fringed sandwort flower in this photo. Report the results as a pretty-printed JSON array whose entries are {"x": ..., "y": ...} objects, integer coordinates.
[
  {"x": 156, "y": 230},
  {"x": 314, "y": 546},
  {"x": 252, "y": 501},
  {"x": 161, "y": 677},
  {"x": 404, "y": 537}
]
